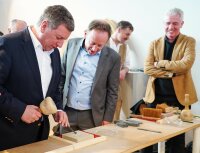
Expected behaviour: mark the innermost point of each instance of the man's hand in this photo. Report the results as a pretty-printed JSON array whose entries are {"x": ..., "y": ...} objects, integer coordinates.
[
  {"x": 105, "y": 122},
  {"x": 61, "y": 118},
  {"x": 155, "y": 64},
  {"x": 123, "y": 73},
  {"x": 31, "y": 114}
]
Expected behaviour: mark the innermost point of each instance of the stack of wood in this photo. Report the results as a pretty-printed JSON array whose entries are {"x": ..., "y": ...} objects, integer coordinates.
[
  {"x": 150, "y": 114},
  {"x": 165, "y": 108},
  {"x": 154, "y": 114}
]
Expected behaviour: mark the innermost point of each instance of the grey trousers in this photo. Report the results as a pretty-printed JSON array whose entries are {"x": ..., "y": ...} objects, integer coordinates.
[{"x": 79, "y": 119}]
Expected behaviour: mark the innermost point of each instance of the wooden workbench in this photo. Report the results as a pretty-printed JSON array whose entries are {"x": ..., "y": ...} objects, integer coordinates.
[
  {"x": 42, "y": 146},
  {"x": 131, "y": 139},
  {"x": 119, "y": 139}
]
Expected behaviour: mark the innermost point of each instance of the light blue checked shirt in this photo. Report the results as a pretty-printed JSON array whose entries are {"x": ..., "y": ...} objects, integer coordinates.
[{"x": 82, "y": 80}]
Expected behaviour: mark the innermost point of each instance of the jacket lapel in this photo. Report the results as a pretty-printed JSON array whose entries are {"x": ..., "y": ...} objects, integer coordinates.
[
  {"x": 176, "y": 50},
  {"x": 161, "y": 48},
  {"x": 54, "y": 72},
  {"x": 32, "y": 59},
  {"x": 72, "y": 56},
  {"x": 101, "y": 64}
]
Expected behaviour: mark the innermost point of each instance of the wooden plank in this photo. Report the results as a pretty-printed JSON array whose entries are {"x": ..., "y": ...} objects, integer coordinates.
[
  {"x": 79, "y": 145},
  {"x": 42, "y": 146},
  {"x": 78, "y": 137},
  {"x": 89, "y": 142}
]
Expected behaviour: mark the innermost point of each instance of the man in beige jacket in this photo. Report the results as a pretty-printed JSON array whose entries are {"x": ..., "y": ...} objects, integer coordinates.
[{"x": 168, "y": 64}]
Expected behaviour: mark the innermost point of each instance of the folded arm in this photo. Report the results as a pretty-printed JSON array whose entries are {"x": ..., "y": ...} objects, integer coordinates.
[{"x": 165, "y": 68}]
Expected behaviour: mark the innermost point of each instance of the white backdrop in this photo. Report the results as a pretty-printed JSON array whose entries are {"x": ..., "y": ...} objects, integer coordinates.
[{"x": 145, "y": 15}]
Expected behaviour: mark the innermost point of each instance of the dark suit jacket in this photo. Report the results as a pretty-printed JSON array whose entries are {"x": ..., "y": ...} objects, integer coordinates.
[
  {"x": 106, "y": 81},
  {"x": 20, "y": 85}
]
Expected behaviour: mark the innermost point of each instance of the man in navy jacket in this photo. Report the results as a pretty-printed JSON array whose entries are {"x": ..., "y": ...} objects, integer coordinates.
[{"x": 30, "y": 70}]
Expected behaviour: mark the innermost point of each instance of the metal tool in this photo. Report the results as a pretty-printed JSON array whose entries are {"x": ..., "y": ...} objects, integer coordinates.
[
  {"x": 72, "y": 130},
  {"x": 121, "y": 123},
  {"x": 128, "y": 122},
  {"x": 188, "y": 121},
  {"x": 149, "y": 130},
  {"x": 132, "y": 122}
]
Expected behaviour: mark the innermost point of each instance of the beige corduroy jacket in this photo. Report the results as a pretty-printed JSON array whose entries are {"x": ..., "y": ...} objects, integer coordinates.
[{"x": 183, "y": 57}]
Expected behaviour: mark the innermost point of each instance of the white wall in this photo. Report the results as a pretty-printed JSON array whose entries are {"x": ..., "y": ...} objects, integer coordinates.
[{"x": 145, "y": 15}]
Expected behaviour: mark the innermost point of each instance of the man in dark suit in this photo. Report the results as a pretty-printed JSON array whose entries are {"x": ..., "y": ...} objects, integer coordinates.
[
  {"x": 30, "y": 70},
  {"x": 90, "y": 78}
]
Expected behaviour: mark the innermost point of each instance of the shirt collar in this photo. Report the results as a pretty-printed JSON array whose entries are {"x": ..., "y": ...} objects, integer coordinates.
[
  {"x": 112, "y": 41},
  {"x": 82, "y": 47},
  {"x": 36, "y": 42},
  {"x": 167, "y": 40}
]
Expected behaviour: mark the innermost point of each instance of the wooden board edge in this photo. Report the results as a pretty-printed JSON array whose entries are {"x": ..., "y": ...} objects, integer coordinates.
[
  {"x": 89, "y": 142},
  {"x": 61, "y": 139},
  {"x": 62, "y": 150},
  {"x": 78, "y": 145}
]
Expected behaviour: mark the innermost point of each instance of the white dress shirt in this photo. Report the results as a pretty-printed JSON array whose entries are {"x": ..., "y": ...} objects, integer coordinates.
[{"x": 44, "y": 63}]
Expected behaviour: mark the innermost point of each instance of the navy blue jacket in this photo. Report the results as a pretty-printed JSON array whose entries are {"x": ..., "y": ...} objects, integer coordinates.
[{"x": 20, "y": 85}]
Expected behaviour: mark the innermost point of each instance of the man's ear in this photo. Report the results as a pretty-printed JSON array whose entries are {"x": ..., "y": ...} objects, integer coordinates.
[
  {"x": 9, "y": 30},
  {"x": 85, "y": 33},
  {"x": 182, "y": 24},
  {"x": 44, "y": 25},
  {"x": 118, "y": 30}
]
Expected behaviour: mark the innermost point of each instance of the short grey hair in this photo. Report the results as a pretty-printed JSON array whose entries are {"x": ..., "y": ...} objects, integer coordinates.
[
  {"x": 15, "y": 21},
  {"x": 176, "y": 11},
  {"x": 57, "y": 15},
  {"x": 17, "y": 25}
]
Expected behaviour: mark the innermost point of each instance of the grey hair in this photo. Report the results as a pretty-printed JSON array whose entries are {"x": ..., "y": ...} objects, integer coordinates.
[
  {"x": 15, "y": 21},
  {"x": 176, "y": 11},
  {"x": 17, "y": 25},
  {"x": 57, "y": 15}
]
